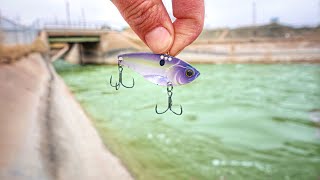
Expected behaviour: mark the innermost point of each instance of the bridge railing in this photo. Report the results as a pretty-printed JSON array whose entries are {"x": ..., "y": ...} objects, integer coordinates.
[
  {"x": 12, "y": 32},
  {"x": 75, "y": 25}
]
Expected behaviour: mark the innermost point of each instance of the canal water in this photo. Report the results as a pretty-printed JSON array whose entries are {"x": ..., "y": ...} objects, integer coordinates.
[{"x": 240, "y": 121}]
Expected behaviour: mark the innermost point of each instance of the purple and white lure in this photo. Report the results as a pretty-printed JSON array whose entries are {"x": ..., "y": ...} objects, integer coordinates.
[{"x": 160, "y": 69}]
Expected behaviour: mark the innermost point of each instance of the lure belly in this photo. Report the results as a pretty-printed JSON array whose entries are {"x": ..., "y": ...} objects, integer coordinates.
[{"x": 160, "y": 69}]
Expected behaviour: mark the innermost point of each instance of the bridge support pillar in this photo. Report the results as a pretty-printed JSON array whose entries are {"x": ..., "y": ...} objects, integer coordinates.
[{"x": 74, "y": 55}]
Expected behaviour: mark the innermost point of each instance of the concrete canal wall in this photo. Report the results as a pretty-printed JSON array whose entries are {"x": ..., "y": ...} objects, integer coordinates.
[
  {"x": 44, "y": 133},
  {"x": 229, "y": 51}
]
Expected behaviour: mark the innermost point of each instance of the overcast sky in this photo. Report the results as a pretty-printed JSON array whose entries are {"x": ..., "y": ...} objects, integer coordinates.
[{"x": 219, "y": 13}]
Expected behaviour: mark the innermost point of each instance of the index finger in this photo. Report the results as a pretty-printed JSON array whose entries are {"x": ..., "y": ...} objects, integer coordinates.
[{"x": 189, "y": 23}]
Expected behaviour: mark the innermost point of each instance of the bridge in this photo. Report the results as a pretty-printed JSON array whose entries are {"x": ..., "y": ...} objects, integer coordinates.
[
  {"x": 76, "y": 42},
  {"x": 80, "y": 45},
  {"x": 75, "y": 45}
]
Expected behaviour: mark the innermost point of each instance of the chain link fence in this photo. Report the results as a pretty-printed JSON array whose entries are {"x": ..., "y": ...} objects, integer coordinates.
[{"x": 12, "y": 33}]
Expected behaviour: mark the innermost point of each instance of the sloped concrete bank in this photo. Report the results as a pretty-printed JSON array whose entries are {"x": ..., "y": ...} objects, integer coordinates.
[{"x": 44, "y": 133}]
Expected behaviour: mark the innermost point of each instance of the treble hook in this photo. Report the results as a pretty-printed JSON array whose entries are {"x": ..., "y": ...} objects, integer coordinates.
[
  {"x": 117, "y": 85},
  {"x": 169, "y": 91}
]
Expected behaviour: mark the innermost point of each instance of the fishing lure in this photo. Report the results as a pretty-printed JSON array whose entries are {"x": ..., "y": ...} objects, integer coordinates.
[{"x": 160, "y": 69}]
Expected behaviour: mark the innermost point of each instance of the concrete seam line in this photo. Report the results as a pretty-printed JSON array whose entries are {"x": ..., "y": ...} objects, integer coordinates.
[{"x": 49, "y": 156}]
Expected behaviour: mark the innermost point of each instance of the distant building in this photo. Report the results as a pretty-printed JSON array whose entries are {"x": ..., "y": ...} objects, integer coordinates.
[{"x": 274, "y": 20}]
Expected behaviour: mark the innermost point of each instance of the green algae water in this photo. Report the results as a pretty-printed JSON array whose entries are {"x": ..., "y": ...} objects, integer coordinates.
[{"x": 248, "y": 121}]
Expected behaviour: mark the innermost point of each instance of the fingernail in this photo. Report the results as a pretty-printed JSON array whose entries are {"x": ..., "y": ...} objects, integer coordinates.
[{"x": 158, "y": 40}]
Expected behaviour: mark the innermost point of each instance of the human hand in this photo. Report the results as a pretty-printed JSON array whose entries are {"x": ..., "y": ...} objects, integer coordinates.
[{"x": 150, "y": 21}]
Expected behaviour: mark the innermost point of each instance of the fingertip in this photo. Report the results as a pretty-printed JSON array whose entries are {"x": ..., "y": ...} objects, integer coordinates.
[
  {"x": 150, "y": 21},
  {"x": 182, "y": 39},
  {"x": 189, "y": 23},
  {"x": 175, "y": 51},
  {"x": 159, "y": 40},
  {"x": 186, "y": 31}
]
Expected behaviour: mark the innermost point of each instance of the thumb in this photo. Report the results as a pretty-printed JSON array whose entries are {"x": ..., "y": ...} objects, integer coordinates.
[{"x": 150, "y": 21}]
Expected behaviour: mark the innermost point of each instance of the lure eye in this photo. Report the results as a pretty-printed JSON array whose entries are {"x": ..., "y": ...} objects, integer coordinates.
[
  {"x": 162, "y": 62},
  {"x": 189, "y": 73}
]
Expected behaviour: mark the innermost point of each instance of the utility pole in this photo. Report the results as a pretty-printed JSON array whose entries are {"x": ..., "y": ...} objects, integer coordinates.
[
  {"x": 0, "y": 18},
  {"x": 254, "y": 13},
  {"x": 319, "y": 13},
  {"x": 17, "y": 28},
  {"x": 1, "y": 34},
  {"x": 68, "y": 12},
  {"x": 254, "y": 18},
  {"x": 83, "y": 17}
]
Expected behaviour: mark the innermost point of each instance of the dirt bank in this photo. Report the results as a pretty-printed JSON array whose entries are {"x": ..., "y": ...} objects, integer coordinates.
[{"x": 44, "y": 133}]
